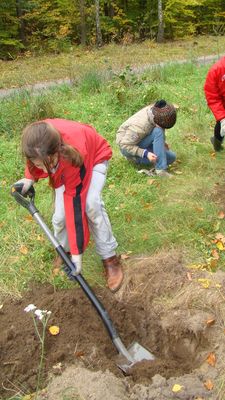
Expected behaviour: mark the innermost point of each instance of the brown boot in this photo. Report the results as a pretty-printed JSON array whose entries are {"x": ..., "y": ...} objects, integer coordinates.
[{"x": 114, "y": 273}]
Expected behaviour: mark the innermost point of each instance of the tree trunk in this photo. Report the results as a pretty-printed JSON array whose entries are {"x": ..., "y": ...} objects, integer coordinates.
[
  {"x": 160, "y": 34},
  {"x": 98, "y": 25},
  {"x": 83, "y": 30},
  {"x": 19, "y": 14}
]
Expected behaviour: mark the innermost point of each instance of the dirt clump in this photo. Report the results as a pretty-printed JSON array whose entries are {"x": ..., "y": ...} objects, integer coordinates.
[{"x": 158, "y": 306}]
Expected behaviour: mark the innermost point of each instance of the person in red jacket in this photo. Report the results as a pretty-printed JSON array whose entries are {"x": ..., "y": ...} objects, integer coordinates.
[
  {"x": 214, "y": 88},
  {"x": 75, "y": 159}
]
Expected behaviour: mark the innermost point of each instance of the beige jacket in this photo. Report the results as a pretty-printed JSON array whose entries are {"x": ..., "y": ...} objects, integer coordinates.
[{"x": 134, "y": 129}]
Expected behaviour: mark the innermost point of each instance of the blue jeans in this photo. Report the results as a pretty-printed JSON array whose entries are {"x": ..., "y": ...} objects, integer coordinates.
[{"x": 155, "y": 143}]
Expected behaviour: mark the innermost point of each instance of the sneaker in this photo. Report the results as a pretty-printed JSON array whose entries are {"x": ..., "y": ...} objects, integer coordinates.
[
  {"x": 217, "y": 145},
  {"x": 163, "y": 173},
  {"x": 149, "y": 172}
]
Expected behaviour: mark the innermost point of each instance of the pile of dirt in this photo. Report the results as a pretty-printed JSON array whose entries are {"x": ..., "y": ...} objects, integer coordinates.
[{"x": 166, "y": 308}]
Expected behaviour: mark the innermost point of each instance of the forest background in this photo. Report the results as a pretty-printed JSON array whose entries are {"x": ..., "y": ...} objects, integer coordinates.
[{"x": 58, "y": 25}]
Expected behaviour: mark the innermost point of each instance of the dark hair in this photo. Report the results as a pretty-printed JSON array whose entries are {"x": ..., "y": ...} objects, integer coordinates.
[{"x": 41, "y": 140}]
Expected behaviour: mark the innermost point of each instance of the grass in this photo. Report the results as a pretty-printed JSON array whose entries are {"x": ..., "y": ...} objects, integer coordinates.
[
  {"x": 147, "y": 215},
  {"x": 30, "y": 69}
]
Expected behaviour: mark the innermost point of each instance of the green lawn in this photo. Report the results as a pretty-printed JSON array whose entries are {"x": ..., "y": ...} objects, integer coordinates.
[
  {"x": 30, "y": 69},
  {"x": 147, "y": 215}
]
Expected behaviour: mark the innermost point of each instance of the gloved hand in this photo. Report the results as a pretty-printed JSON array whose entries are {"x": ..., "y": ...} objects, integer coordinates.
[
  {"x": 222, "y": 127},
  {"x": 27, "y": 183},
  {"x": 77, "y": 260}
]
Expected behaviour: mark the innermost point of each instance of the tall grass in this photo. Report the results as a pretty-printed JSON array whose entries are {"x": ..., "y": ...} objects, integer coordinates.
[{"x": 146, "y": 215}]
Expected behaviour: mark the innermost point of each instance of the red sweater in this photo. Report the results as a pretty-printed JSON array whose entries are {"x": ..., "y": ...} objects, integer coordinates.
[
  {"x": 94, "y": 149},
  {"x": 215, "y": 89}
]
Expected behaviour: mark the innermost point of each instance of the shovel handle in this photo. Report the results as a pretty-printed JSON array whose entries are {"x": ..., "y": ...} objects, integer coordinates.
[{"x": 27, "y": 199}]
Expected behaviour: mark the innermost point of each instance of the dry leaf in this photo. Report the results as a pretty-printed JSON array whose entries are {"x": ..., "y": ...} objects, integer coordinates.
[
  {"x": 215, "y": 254},
  {"x": 204, "y": 282},
  {"x": 210, "y": 322},
  {"x": 1, "y": 305},
  {"x": 221, "y": 215},
  {"x": 220, "y": 246},
  {"x": 124, "y": 256},
  {"x": 211, "y": 359},
  {"x": 79, "y": 354},
  {"x": 213, "y": 263},
  {"x": 220, "y": 237},
  {"x": 209, "y": 384},
  {"x": 189, "y": 276},
  {"x": 176, "y": 388},
  {"x": 178, "y": 172},
  {"x": 29, "y": 218},
  {"x": 151, "y": 181},
  {"x": 23, "y": 249},
  {"x": 54, "y": 330},
  {"x": 197, "y": 266},
  {"x": 213, "y": 155},
  {"x": 56, "y": 271}
]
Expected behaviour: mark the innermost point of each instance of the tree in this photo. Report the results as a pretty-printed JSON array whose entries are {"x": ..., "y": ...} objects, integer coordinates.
[
  {"x": 160, "y": 34},
  {"x": 98, "y": 26}
]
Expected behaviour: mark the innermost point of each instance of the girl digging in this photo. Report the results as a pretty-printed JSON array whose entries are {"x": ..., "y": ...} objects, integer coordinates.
[{"x": 75, "y": 159}]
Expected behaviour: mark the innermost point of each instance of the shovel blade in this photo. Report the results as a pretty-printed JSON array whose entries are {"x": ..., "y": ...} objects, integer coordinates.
[{"x": 137, "y": 354}]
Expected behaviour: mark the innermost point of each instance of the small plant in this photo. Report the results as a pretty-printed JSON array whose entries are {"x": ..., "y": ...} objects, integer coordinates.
[{"x": 42, "y": 316}]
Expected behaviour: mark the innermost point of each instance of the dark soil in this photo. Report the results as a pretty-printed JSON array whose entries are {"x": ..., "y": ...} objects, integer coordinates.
[{"x": 149, "y": 309}]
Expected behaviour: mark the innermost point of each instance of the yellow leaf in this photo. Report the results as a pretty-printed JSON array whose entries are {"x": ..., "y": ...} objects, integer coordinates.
[
  {"x": 54, "y": 330},
  {"x": 211, "y": 359},
  {"x": 209, "y": 384},
  {"x": 204, "y": 282},
  {"x": 23, "y": 249},
  {"x": 220, "y": 246},
  {"x": 176, "y": 388},
  {"x": 178, "y": 172},
  {"x": 197, "y": 266}
]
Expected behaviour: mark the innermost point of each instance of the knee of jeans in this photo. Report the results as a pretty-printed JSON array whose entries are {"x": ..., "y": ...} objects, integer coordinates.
[
  {"x": 93, "y": 205},
  {"x": 158, "y": 131},
  {"x": 58, "y": 221}
]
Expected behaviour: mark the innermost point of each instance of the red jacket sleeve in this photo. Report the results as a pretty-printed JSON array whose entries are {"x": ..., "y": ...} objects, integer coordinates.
[
  {"x": 75, "y": 204},
  {"x": 213, "y": 95}
]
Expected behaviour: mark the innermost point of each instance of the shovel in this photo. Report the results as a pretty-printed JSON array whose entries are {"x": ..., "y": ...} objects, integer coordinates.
[{"x": 127, "y": 356}]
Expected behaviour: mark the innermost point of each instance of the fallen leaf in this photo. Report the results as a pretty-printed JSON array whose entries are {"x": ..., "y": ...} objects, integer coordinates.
[
  {"x": 204, "y": 282},
  {"x": 213, "y": 263},
  {"x": 29, "y": 218},
  {"x": 79, "y": 354},
  {"x": 189, "y": 276},
  {"x": 151, "y": 181},
  {"x": 56, "y": 271},
  {"x": 1, "y": 305},
  {"x": 215, "y": 254},
  {"x": 54, "y": 330},
  {"x": 213, "y": 155},
  {"x": 220, "y": 237},
  {"x": 209, "y": 384},
  {"x": 178, "y": 172},
  {"x": 199, "y": 209},
  {"x": 220, "y": 246},
  {"x": 145, "y": 236},
  {"x": 221, "y": 215},
  {"x": 211, "y": 359},
  {"x": 128, "y": 218},
  {"x": 177, "y": 388},
  {"x": 23, "y": 249},
  {"x": 210, "y": 322},
  {"x": 197, "y": 266},
  {"x": 148, "y": 206},
  {"x": 124, "y": 256}
]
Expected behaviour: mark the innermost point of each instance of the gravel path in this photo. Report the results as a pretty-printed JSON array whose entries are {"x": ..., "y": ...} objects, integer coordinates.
[{"x": 37, "y": 87}]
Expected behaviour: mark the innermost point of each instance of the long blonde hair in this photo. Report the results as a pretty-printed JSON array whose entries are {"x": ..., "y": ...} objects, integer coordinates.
[{"x": 40, "y": 140}]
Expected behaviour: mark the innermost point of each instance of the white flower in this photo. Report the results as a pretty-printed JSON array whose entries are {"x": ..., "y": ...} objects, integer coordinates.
[
  {"x": 30, "y": 307},
  {"x": 39, "y": 314}
]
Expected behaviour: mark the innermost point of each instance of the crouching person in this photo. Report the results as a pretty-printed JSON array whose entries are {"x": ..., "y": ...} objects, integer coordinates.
[
  {"x": 142, "y": 139},
  {"x": 74, "y": 157}
]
